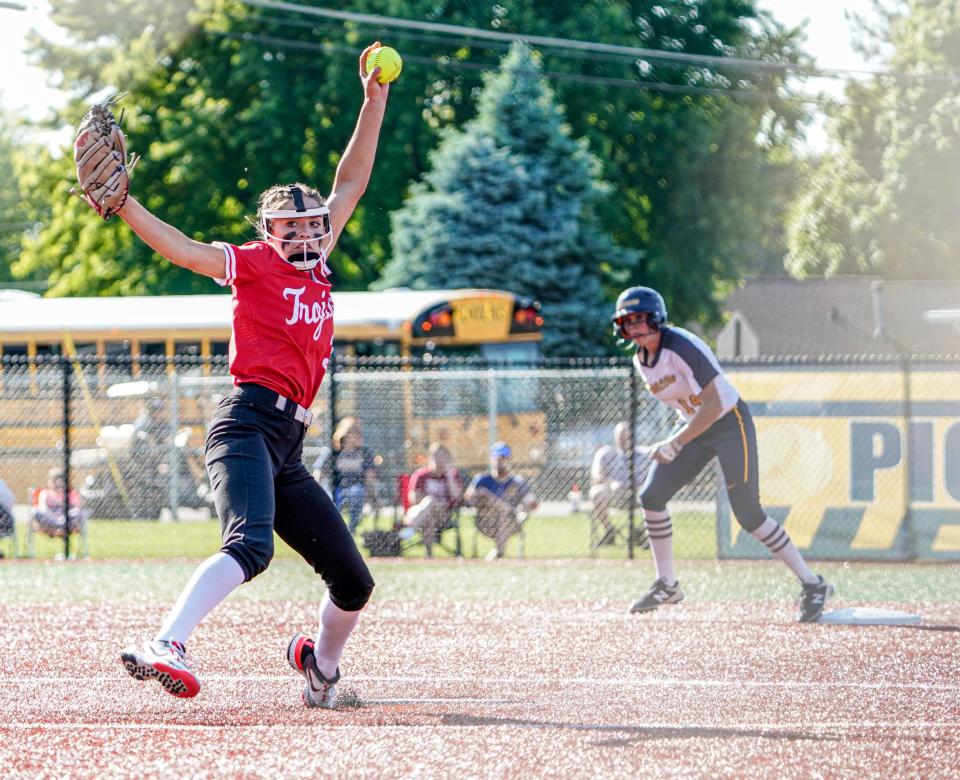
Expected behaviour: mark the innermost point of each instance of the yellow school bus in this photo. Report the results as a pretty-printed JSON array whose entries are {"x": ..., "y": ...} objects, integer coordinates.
[{"x": 497, "y": 325}]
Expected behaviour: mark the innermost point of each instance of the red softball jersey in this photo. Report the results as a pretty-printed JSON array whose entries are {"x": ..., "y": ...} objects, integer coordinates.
[{"x": 282, "y": 321}]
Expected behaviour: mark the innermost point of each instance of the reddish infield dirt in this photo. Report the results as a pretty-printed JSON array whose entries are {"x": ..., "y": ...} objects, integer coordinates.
[{"x": 490, "y": 690}]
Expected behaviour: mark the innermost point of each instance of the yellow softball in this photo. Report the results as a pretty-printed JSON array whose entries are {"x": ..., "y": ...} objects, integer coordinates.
[{"x": 388, "y": 60}]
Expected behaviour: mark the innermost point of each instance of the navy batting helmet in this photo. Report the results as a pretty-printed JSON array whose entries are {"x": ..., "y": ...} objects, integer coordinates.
[{"x": 640, "y": 299}]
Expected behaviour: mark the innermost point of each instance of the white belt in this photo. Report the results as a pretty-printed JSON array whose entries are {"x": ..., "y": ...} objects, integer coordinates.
[{"x": 300, "y": 413}]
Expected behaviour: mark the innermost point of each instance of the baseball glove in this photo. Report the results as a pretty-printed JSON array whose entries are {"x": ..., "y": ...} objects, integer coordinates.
[{"x": 100, "y": 155}]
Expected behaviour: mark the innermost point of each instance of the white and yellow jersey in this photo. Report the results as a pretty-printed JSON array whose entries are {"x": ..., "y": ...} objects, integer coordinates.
[{"x": 682, "y": 367}]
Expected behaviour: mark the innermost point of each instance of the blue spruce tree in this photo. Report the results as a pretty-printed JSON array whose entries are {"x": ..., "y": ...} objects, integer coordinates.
[{"x": 507, "y": 204}]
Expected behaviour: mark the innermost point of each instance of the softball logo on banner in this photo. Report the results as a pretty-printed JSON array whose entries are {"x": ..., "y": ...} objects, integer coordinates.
[{"x": 833, "y": 463}]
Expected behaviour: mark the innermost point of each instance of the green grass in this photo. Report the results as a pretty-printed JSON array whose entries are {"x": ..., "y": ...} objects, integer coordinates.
[
  {"x": 150, "y": 561},
  {"x": 159, "y": 582},
  {"x": 545, "y": 537}
]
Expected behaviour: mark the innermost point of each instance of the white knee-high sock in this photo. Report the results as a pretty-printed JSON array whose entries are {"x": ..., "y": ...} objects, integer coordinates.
[
  {"x": 778, "y": 541},
  {"x": 661, "y": 542},
  {"x": 335, "y": 627},
  {"x": 212, "y": 581}
]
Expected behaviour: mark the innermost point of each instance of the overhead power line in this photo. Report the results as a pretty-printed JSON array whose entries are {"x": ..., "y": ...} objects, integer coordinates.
[
  {"x": 793, "y": 68},
  {"x": 577, "y": 54},
  {"x": 536, "y": 40},
  {"x": 656, "y": 86}
]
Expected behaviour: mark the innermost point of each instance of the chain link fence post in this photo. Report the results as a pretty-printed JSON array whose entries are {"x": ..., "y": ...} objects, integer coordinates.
[
  {"x": 491, "y": 408},
  {"x": 332, "y": 369},
  {"x": 332, "y": 389},
  {"x": 65, "y": 366},
  {"x": 909, "y": 541},
  {"x": 632, "y": 501},
  {"x": 173, "y": 456}
]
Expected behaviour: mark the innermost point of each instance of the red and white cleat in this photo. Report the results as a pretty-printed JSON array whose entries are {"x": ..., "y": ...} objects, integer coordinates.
[
  {"x": 320, "y": 691},
  {"x": 166, "y": 662},
  {"x": 299, "y": 648}
]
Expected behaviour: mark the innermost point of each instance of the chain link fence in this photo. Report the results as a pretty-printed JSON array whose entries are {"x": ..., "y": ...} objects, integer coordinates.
[
  {"x": 554, "y": 416},
  {"x": 857, "y": 459}
]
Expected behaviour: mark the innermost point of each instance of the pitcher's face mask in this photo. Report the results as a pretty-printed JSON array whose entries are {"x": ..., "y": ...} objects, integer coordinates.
[{"x": 301, "y": 235}]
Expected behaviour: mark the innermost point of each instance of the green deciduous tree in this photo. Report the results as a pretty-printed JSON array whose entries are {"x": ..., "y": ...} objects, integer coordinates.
[
  {"x": 217, "y": 117},
  {"x": 12, "y": 224},
  {"x": 22, "y": 203},
  {"x": 507, "y": 206},
  {"x": 884, "y": 201},
  {"x": 227, "y": 98}
]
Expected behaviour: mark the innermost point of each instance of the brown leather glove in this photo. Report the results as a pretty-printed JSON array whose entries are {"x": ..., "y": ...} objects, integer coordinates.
[{"x": 100, "y": 156}]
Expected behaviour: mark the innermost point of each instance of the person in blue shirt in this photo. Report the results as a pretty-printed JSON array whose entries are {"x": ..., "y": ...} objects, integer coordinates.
[{"x": 502, "y": 500}]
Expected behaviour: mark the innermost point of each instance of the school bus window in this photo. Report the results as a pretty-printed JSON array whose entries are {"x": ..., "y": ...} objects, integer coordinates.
[
  {"x": 10, "y": 372},
  {"x": 186, "y": 348},
  {"x": 14, "y": 350},
  {"x": 376, "y": 348},
  {"x": 49, "y": 350},
  {"x": 152, "y": 349},
  {"x": 87, "y": 351},
  {"x": 117, "y": 355},
  {"x": 215, "y": 348}
]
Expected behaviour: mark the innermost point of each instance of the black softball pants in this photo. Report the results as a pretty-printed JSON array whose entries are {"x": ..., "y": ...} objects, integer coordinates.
[
  {"x": 733, "y": 440},
  {"x": 260, "y": 485}
]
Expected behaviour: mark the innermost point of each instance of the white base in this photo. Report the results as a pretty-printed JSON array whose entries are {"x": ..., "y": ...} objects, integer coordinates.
[{"x": 869, "y": 616}]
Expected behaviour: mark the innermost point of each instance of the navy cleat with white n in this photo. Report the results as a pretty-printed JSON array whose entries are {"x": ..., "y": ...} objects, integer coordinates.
[
  {"x": 659, "y": 594},
  {"x": 813, "y": 598}
]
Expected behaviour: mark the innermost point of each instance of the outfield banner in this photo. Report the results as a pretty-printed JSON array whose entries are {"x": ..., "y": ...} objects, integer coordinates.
[{"x": 856, "y": 462}]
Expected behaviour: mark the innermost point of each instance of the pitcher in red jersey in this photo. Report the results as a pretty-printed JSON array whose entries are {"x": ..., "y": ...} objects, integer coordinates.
[{"x": 279, "y": 350}]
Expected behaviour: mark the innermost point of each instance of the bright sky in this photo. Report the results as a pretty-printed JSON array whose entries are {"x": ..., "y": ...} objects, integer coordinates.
[
  {"x": 25, "y": 92},
  {"x": 828, "y": 32},
  {"x": 829, "y": 37}
]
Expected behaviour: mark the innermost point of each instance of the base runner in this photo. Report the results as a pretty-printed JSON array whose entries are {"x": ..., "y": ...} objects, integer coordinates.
[{"x": 682, "y": 371}]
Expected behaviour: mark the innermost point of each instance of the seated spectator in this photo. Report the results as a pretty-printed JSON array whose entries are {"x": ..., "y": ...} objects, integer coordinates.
[
  {"x": 321, "y": 469},
  {"x": 502, "y": 500},
  {"x": 350, "y": 469},
  {"x": 433, "y": 493},
  {"x": 610, "y": 479},
  {"x": 48, "y": 516},
  {"x": 7, "y": 500}
]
